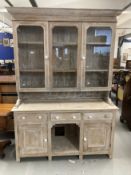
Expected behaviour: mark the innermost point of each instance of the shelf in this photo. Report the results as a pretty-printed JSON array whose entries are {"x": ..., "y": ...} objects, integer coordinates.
[
  {"x": 97, "y": 70},
  {"x": 64, "y": 145},
  {"x": 32, "y": 70},
  {"x": 98, "y": 44},
  {"x": 31, "y": 43},
  {"x": 64, "y": 71},
  {"x": 62, "y": 44}
]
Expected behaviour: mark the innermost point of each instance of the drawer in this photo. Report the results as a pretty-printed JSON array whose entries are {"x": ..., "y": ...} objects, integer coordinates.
[
  {"x": 98, "y": 116},
  {"x": 30, "y": 117},
  {"x": 65, "y": 116}
]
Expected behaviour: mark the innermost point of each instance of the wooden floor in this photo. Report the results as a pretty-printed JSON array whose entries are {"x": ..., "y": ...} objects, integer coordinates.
[{"x": 91, "y": 165}]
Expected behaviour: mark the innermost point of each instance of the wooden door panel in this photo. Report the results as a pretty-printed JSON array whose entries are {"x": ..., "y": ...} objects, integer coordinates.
[
  {"x": 32, "y": 139},
  {"x": 96, "y": 137}
]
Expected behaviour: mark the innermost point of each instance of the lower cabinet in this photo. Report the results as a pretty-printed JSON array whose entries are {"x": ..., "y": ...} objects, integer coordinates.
[
  {"x": 63, "y": 133},
  {"x": 97, "y": 137},
  {"x": 32, "y": 139}
]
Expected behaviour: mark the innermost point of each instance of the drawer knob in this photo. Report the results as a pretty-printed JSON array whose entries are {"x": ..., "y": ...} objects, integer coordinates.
[
  {"x": 57, "y": 117},
  {"x": 85, "y": 139},
  {"x": 23, "y": 117},
  {"x": 83, "y": 57},
  {"x": 90, "y": 117},
  {"x": 40, "y": 117},
  {"x": 88, "y": 83},
  {"x": 46, "y": 57},
  {"x": 45, "y": 140},
  {"x": 74, "y": 117}
]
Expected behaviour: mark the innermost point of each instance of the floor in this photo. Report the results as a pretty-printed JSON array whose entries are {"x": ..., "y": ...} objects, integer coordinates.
[{"x": 91, "y": 165}]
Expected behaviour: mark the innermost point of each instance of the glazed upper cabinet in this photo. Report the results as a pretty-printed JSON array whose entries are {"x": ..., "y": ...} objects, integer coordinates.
[{"x": 64, "y": 56}]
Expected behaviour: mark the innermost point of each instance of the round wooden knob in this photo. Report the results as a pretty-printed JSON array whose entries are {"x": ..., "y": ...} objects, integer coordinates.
[
  {"x": 23, "y": 117},
  {"x": 46, "y": 57},
  {"x": 40, "y": 117},
  {"x": 57, "y": 117},
  {"x": 45, "y": 140},
  {"x": 90, "y": 117},
  {"x": 74, "y": 117},
  {"x": 85, "y": 139}
]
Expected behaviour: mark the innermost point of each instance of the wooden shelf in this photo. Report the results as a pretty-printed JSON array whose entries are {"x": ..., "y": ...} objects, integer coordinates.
[
  {"x": 31, "y": 43},
  {"x": 32, "y": 70},
  {"x": 61, "y": 144},
  {"x": 97, "y": 70},
  {"x": 64, "y": 71},
  {"x": 98, "y": 44},
  {"x": 62, "y": 44}
]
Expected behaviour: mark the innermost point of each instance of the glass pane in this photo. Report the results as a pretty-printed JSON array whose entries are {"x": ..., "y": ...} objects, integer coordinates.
[
  {"x": 96, "y": 79},
  {"x": 98, "y": 44},
  {"x": 64, "y": 57},
  {"x": 31, "y": 80},
  {"x": 31, "y": 56}
]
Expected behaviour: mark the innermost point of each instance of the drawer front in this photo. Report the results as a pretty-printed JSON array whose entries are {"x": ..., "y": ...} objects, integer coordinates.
[
  {"x": 98, "y": 116},
  {"x": 65, "y": 116},
  {"x": 30, "y": 117}
]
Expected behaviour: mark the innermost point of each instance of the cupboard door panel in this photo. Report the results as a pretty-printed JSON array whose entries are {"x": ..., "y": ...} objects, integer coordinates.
[
  {"x": 32, "y": 139},
  {"x": 96, "y": 137}
]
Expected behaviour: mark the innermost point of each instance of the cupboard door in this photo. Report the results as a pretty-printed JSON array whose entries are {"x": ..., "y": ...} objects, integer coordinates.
[
  {"x": 65, "y": 55},
  {"x": 32, "y": 139},
  {"x": 97, "y": 42},
  {"x": 31, "y": 54},
  {"x": 96, "y": 137}
]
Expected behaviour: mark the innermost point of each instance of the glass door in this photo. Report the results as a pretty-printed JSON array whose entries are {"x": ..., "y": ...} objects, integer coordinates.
[
  {"x": 31, "y": 56},
  {"x": 64, "y": 56},
  {"x": 97, "y": 61}
]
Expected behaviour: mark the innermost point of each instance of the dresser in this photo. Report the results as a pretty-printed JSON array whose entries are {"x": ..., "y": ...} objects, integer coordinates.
[{"x": 64, "y": 74}]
